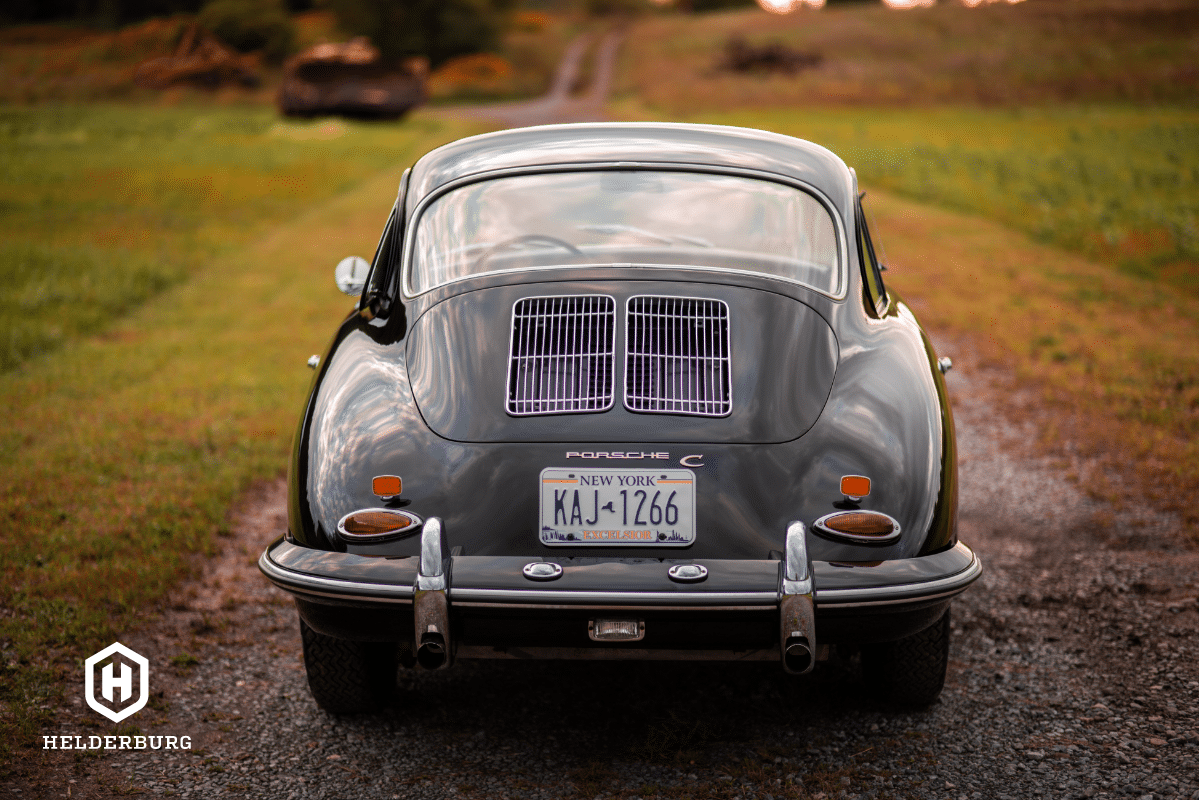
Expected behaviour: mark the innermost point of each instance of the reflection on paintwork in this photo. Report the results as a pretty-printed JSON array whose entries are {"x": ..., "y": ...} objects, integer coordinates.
[{"x": 354, "y": 418}]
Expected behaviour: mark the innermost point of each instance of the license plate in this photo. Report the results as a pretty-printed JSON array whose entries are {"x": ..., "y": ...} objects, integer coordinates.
[{"x": 617, "y": 507}]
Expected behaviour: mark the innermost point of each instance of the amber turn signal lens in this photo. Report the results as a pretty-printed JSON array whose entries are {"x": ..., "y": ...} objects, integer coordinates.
[
  {"x": 368, "y": 523},
  {"x": 861, "y": 523},
  {"x": 855, "y": 486},
  {"x": 387, "y": 486}
]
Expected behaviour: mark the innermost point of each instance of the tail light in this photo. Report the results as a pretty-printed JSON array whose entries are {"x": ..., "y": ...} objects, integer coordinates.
[
  {"x": 377, "y": 525},
  {"x": 860, "y": 527}
]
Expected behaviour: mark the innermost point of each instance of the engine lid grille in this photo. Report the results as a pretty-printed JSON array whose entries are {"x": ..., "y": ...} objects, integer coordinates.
[
  {"x": 560, "y": 357},
  {"x": 677, "y": 356}
]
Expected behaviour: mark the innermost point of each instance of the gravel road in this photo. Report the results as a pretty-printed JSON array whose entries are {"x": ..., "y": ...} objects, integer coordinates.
[
  {"x": 1073, "y": 674},
  {"x": 560, "y": 103}
]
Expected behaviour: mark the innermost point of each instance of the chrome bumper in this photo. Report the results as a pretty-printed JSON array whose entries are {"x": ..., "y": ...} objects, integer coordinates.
[{"x": 796, "y": 587}]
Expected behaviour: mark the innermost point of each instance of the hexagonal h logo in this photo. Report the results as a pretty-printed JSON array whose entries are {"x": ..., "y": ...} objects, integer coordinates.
[{"x": 116, "y": 682}]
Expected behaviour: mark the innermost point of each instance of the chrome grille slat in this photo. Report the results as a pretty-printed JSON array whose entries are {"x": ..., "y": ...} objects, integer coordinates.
[
  {"x": 677, "y": 356},
  {"x": 561, "y": 353}
]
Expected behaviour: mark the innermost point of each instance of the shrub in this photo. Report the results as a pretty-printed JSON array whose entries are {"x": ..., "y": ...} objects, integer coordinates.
[
  {"x": 249, "y": 25},
  {"x": 472, "y": 77},
  {"x": 603, "y": 8},
  {"x": 438, "y": 29}
]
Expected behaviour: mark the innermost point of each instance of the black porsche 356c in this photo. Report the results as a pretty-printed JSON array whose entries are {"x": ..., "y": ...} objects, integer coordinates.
[{"x": 624, "y": 391}]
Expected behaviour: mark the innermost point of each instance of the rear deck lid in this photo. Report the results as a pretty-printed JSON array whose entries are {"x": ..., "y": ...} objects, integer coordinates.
[{"x": 621, "y": 362}]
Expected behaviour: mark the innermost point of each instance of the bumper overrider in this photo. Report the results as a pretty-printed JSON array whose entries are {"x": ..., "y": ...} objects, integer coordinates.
[{"x": 458, "y": 606}]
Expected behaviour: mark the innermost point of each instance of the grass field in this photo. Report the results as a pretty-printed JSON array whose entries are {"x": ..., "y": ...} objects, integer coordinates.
[
  {"x": 103, "y": 206},
  {"x": 1114, "y": 183},
  {"x": 123, "y": 449}
]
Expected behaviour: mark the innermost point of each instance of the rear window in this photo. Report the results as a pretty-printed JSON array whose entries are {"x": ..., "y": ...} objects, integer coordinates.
[{"x": 625, "y": 217}]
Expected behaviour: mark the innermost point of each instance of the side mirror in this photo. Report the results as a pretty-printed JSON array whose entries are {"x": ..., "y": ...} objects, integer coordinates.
[{"x": 350, "y": 275}]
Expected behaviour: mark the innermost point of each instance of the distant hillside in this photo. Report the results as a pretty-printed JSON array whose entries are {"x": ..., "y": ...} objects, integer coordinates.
[{"x": 1033, "y": 52}]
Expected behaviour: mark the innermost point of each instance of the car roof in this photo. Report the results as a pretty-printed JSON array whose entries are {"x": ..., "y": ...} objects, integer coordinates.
[{"x": 635, "y": 142}]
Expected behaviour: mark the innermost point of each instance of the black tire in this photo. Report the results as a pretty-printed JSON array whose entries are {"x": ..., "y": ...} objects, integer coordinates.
[
  {"x": 347, "y": 677},
  {"x": 911, "y": 671}
]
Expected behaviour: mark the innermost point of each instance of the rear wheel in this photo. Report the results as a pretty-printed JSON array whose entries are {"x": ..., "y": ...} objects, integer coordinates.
[
  {"x": 348, "y": 677},
  {"x": 911, "y": 671}
]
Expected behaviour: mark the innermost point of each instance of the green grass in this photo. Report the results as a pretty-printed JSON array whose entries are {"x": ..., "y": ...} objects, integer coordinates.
[
  {"x": 1117, "y": 184},
  {"x": 102, "y": 207},
  {"x": 123, "y": 449}
]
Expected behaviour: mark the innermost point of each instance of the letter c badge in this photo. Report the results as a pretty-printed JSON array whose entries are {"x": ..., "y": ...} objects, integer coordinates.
[{"x": 687, "y": 462}]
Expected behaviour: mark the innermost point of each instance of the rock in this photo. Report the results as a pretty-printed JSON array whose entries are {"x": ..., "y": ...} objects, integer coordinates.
[
  {"x": 741, "y": 56},
  {"x": 349, "y": 79}
]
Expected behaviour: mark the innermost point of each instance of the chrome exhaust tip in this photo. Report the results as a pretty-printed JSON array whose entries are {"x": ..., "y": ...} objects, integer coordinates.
[
  {"x": 797, "y": 656},
  {"x": 432, "y": 653}
]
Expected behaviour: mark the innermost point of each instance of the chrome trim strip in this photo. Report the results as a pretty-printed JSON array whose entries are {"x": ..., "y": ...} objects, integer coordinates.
[
  {"x": 290, "y": 581},
  {"x": 894, "y": 601},
  {"x": 771, "y": 607},
  {"x": 536, "y": 597},
  {"x": 843, "y": 267},
  {"x": 903, "y": 592}
]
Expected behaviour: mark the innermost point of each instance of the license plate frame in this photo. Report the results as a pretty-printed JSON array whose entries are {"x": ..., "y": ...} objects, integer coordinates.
[{"x": 568, "y": 517}]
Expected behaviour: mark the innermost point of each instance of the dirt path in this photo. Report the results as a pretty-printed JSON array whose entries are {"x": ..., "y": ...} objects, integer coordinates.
[{"x": 559, "y": 104}]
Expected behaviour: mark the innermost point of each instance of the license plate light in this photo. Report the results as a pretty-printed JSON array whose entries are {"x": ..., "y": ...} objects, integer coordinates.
[{"x": 616, "y": 630}]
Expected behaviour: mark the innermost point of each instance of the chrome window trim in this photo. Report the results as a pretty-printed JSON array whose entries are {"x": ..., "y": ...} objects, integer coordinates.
[{"x": 663, "y": 166}]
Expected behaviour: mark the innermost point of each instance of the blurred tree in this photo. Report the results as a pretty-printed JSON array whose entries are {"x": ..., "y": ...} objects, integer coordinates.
[
  {"x": 616, "y": 7},
  {"x": 248, "y": 25},
  {"x": 439, "y": 29},
  {"x": 714, "y": 5},
  {"x": 105, "y": 12}
]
